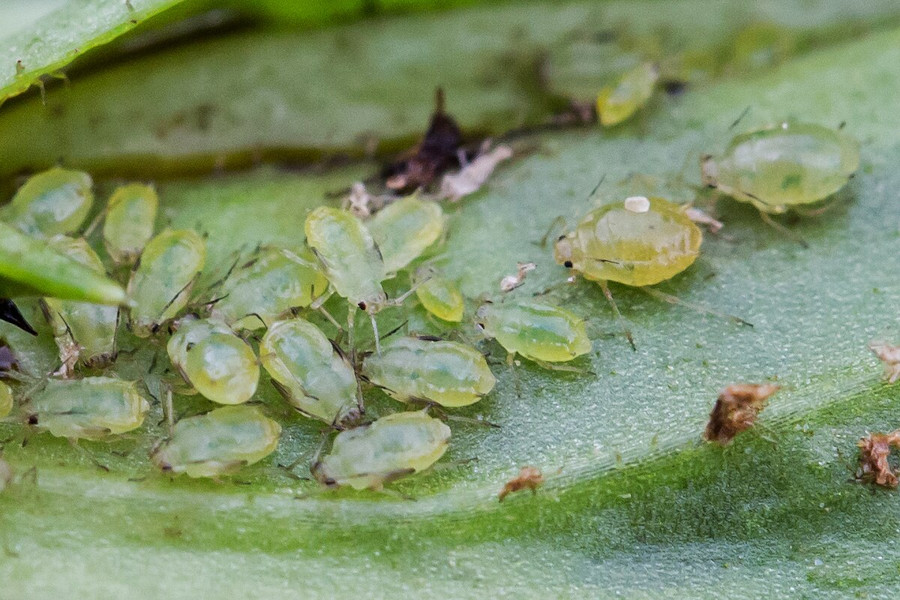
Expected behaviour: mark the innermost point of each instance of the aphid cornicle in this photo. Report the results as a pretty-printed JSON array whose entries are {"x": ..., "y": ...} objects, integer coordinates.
[
  {"x": 6, "y": 400},
  {"x": 84, "y": 331},
  {"x": 163, "y": 278},
  {"x": 404, "y": 229},
  {"x": 219, "y": 442},
  {"x": 441, "y": 298},
  {"x": 216, "y": 362},
  {"x": 311, "y": 375},
  {"x": 31, "y": 267},
  {"x": 129, "y": 222},
  {"x": 90, "y": 408},
  {"x": 782, "y": 167},
  {"x": 53, "y": 202},
  {"x": 270, "y": 284},
  {"x": 394, "y": 446},
  {"x": 537, "y": 331},
  {"x": 447, "y": 373},
  {"x": 618, "y": 103}
]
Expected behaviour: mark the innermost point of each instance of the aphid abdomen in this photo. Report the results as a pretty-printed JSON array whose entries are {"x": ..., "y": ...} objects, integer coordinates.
[
  {"x": 448, "y": 373},
  {"x": 404, "y": 229},
  {"x": 218, "y": 443},
  {"x": 441, "y": 298},
  {"x": 53, "y": 202},
  {"x": 536, "y": 331},
  {"x": 129, "y": 223}
]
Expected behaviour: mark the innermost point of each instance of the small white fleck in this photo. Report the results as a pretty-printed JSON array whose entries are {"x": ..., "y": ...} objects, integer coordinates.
[{"x": 637, "y": 204}]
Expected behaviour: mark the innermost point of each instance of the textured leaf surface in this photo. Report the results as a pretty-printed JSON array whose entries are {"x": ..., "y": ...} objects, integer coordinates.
[{"x": 634, "y": 505}]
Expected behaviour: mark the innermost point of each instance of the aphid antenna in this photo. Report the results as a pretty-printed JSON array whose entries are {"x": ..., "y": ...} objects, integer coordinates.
[
  {"x": 396, "y": 329},
  {"x": 453, "y": 464},
  {"x": 669, "y": 298},
  {"x": 183, "y": 290},
  {"x": 622, "y": 322},
  {"x": 768, "y": 220},
  {"x": 740, "y": 118},
  {"x": 556, "y": 223},
  {"x": 74, "y": 443},
  {"x": 561, "y": 368},
  {"x": 95, "y": 222},
  {"x": 225, "y": 277}
]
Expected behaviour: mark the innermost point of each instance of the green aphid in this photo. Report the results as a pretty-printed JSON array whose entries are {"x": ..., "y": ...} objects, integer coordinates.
[
  {"x": 6, "y": 400},
  {"x": 216, "y": 362},
  {"x": 782, "y": 167},
  {"x": 163, "y": 278},
  {"x": 618, "y": 103},
  {"x": 218, "y": 443},
  {"x": 31, "y": 267},
  {"x": 348, "y": 255},
  {"x": 50, "y": 203},
  {"x": 441, "y": 298},
  {"x": 404, "y": 229},
  {"x": 275, "y": 281},
  {"x": 130, "y": 220},
  {"x": 310, "y": 373},
  {"x": 84, "y": 332},
  {"x": 90, "y": 408},
  {"x": 539, "y": 332},
  {"x": 394, "y": 446},
  {"x": 447, "y": 373}
]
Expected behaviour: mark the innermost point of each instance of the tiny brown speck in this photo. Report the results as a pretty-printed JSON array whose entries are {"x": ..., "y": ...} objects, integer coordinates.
[{"x": 528, "y": 478}]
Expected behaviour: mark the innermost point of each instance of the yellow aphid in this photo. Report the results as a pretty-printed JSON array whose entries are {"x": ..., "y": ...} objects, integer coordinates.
[{"x": 618, "y": 103}]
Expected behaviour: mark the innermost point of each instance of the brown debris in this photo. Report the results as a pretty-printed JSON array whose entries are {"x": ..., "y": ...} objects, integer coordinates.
[
  {"x": 736, "y": 410},
  {"x": 890, "y": 355},
  {"x": 437, "y": 152},
  {"x": 873, "y": 458},
  {"x": 528, "y": 478}
]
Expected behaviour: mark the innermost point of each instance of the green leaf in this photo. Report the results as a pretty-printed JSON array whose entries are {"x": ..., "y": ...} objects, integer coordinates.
[{"x": 635, "y": 504}]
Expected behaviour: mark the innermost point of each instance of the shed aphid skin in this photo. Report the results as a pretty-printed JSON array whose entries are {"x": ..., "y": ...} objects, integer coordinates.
[
  {"x": 163, "y": 278},
  {"x": 638, "y": 242},
  {"x": 529, "y": 478},
  {"x": 890, "y": 356},
  {"x": 91, "y": 408},
  {"x": 31, "y": 267},
  {"x": 539, "y": 332},
  {"x": 314, "y": 378},
  {"x": 216, "y": 362},
  {"x": 271, "y": 283},
  {"x": 84, "y": 332},
  {"x": 780, "y": 168},
  {"x": 446, "y": 373},
  {"x": 702, "y": 218},
  {"x": 130, "y": 220},
  {"x": 473, "y": 176},
  {"x": 874, "y": 451},
  {"x": 736, "y": 410},
  {"x": 392, "y": 447},
  {"x": 618, "y": 103},
  {"x": 511, "y": 282},
  {"x": 6, "y": 400},
  {"x": 404, "y": 229},
  {"x": 439, "y": 296},
  {"x": 219, "y": 442},
  {"x": 54, "y": 202}
]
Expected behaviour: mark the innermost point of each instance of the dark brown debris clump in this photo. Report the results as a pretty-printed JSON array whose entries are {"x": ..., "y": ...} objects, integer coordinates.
[
  {"x": 874, "y": 451},
  {"x": 437, "y": 152},
  {"x": 528, "y": 478},
  {"x": 736, "y": 410}
]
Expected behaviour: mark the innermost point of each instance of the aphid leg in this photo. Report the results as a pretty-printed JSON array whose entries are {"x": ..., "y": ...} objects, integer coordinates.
[
  {"x": 768, "y": 220},
  {"x": 375, "y": 331},
  {"x": 654, "y": 293},
  {"x": 605, "y": 287},
  {"x": 564, "y": 368},
  {"x": 331, "y": 319},
  {"x": 351, "y": 319},
  {"x": 74, "y": 443},
  {"x": 90, "y": 228},
  {"x": 317, "y": 303},
  {"x": 511, "y": 362},
  {"x": 445, "y": 416},
  {"x": 168, "y": 408},
  {"x": 816, "y": 212},
  {"x": 559, "y": 221}
]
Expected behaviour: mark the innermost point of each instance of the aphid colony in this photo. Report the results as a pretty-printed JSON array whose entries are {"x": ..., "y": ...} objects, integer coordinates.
[{"x": 212, "y": 340}]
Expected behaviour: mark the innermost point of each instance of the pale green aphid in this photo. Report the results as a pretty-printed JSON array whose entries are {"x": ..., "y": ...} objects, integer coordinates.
[
  {"x": 129, "y": 222},
  {"x": 84, "y": 331},
  {"x": 163, "y": 278},
  {"x": 618, "y": 103},
  {"x": 218, "y": 443},
  {"x": 31, "y": 267},
  {"x": 447, "y": 373},
  {"x": 6, "y": 400},
  {"x": 441, "y": 298},
  {"x": 56, "y": 201},
  {"x": 391, "y": 447},
  {"x": 269, "y": 285},
  {"x": 90, "y": 408},
  {"x": 216, "y": 362},
  {"x": 404, "y": 229},
  {"x": 539, "y": 332},
  {"x": 782, "y": 167},
  {"x": 309, "y": 372}
]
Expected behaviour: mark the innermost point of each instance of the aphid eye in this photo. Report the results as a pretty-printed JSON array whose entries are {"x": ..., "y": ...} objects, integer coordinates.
[
  {"x": 362, "y": 306},
  {"x": 32, "y": 419},
  {"x": 568, "y": 264},
  {"x": 190, "y": 346},
  {"x": 480, "y": 326},
  {"x": 561, "y": 238}
]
